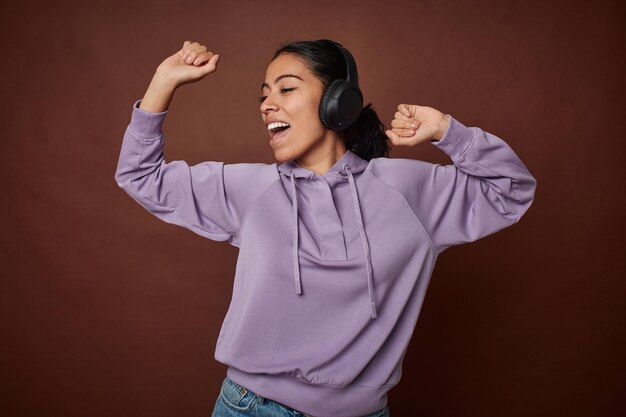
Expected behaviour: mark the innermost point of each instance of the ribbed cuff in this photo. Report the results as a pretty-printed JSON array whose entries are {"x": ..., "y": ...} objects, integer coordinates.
[
  {"x": 456, "y": 139},
  {"x": 145, "y": 124}
]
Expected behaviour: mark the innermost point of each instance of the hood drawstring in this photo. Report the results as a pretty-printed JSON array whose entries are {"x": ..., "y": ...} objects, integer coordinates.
[
  {"x": 366, "y": 246},
  {"x": 296, "y": 260}
]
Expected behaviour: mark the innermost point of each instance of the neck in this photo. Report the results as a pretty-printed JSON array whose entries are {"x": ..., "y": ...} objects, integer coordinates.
[{"x": 323, "y": 159}]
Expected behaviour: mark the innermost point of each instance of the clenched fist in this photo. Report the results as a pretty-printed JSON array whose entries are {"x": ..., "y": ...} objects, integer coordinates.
[
  {"x": 192, "y": 63},
  {"x": 413, "y": 124}
]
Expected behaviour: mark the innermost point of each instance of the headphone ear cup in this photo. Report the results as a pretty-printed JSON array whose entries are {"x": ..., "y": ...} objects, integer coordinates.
[
  {"x": 340, "y": 105},
  {"x": 350, "y": 105},
  {"x": 328, "y": 104}
]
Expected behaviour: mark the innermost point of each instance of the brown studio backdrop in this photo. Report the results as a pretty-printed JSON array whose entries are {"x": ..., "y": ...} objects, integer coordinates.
[{"x": 105, "y": 310}]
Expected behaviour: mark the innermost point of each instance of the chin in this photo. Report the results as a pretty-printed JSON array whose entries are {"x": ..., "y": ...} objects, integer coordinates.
[{"x": 281, "y": 156}]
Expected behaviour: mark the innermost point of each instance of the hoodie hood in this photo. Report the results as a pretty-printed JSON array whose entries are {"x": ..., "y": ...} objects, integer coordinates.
[{"x": 338, "y": 171}]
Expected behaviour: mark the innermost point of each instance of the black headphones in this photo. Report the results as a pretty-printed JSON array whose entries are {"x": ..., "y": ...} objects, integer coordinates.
[{"x": 342, "y": 100}]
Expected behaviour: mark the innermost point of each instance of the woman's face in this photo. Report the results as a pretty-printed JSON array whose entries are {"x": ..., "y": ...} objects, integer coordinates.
[{"x": 291, "y": 94}]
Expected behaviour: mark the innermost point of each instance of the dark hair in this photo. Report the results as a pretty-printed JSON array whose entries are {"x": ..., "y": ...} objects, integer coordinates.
[{"x": 366, "y": 137}]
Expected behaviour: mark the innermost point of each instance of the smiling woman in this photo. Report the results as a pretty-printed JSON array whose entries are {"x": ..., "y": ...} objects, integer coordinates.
[
  {"x": 293, "y": 98},
  {"x": 339, "y": 241}
]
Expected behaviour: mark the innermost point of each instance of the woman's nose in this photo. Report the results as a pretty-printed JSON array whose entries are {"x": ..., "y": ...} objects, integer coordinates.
[{"x": 268, "y": 104}]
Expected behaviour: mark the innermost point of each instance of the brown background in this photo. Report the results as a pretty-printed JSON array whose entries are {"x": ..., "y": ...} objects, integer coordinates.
[{"x": 105, "y": 310}]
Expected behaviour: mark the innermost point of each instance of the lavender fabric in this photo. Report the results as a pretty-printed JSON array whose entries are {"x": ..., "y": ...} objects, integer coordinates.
[{"x": 332, "y": 269}]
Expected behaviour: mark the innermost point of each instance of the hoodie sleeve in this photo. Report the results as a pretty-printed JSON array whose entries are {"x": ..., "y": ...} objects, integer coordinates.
[
  {"x": 487, "y": 188},
  {"x": 210, "y": 198}
]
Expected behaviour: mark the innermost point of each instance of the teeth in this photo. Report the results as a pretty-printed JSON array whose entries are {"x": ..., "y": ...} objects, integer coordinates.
[{"x": 274, "y": 125}]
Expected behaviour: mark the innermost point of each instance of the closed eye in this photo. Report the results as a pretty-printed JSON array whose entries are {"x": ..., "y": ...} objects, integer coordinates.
[{"x": 282, "y": 90}]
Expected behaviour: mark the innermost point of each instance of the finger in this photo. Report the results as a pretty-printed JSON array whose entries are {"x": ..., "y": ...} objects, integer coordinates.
[
  {"x": 405, "y": 110},
  {"x": 405, "y": 124},
  {"x": 181, "y": 52},
  {"x": 210, "y": 66},
  {"x": 203, "y": 58},
  {"x": 395, "y": 139},
  {"x": 400, "y": 116},
  {"x": 405, "y": 133},
  {"x": 191, "y": 45},
  {"x": 392, "y": 136},
  {"x": 213, "y": 61},
  {"x": 196, "y": 47},
  {"x": 191, "y": 50},
  {"x": 189, "y": 56}
]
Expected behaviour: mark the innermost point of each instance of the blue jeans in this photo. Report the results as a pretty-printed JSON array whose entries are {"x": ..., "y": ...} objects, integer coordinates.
[{"x": 237, "y": 401}]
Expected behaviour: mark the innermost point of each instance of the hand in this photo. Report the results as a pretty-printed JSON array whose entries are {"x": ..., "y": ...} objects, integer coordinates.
[
  {"x": 413, "y": 124},
  {"x": 192, "y": 63}
]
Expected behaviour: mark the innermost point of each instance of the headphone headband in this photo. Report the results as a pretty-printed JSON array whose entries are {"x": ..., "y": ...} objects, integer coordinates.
[{"x": 352, "y": 75}]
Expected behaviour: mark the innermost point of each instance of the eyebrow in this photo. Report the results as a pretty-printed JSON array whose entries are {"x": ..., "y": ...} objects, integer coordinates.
[{"x": 280, "y": 78}]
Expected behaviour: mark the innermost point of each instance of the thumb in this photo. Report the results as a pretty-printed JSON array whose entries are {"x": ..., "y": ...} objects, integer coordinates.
[
  {"x": 210, "y": 66},
  {"x": 213, "y": 61},
  {"x": 391, "y": 135}
]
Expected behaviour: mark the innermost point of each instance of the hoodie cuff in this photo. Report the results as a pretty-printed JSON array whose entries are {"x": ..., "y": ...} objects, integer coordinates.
[
  {"x": 456, "y": 140},
  {"x": 145, "y": 124}
]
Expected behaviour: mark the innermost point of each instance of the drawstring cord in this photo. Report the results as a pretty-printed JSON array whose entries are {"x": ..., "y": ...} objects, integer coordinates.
[
  {"x": 359, "y": 218},
  {"x": 366, "y": 246},
  {"x": 296, "y": 261}
]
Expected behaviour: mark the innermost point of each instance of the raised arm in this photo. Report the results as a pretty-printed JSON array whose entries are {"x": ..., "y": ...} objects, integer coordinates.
[
  {"x": 209, "y": 198},
  {"x": 486, "y": 188}
]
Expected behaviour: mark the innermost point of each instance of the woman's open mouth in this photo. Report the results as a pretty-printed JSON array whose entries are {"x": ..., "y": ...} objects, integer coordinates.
[{"x": 277, "y": 130}]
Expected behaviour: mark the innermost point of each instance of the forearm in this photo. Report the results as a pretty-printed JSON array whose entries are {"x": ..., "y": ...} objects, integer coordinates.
[
  {"x": 505, "y": 181},
  {"x": 142, "y": 147}
]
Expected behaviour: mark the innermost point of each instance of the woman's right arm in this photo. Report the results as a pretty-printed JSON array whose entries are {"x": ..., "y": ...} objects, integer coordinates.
[{"x": 209, "y": 198}]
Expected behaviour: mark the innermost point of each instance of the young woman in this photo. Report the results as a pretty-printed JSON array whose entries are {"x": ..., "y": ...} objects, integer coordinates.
[{"x": 336, "y": 241}]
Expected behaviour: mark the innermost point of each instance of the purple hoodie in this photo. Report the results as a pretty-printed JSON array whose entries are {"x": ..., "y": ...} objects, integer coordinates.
[{"x": 332, "y": 269}]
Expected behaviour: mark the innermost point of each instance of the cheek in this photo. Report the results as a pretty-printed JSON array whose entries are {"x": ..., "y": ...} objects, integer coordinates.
[{"x": 313, "y": 115}]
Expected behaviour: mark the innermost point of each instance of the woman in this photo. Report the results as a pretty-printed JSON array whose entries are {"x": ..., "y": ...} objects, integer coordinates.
[{"x": 336, "y": 242}]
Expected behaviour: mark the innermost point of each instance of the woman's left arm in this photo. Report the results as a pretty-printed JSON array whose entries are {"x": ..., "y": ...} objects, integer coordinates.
[{"x": 486, "y": 189}]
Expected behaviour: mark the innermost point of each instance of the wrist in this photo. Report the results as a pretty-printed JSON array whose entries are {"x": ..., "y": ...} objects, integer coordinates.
[
  {"x": 158, "y": 95},
  {"x": 442, "y": 127},
  {"x": 162, "y": 83}
]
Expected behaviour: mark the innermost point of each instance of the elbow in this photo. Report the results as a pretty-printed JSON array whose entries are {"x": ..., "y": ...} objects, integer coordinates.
[
  {"x": 118, "y": 179},
  {"x": 121, "y": 177},
  {"x": 527, "y": 196}
]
